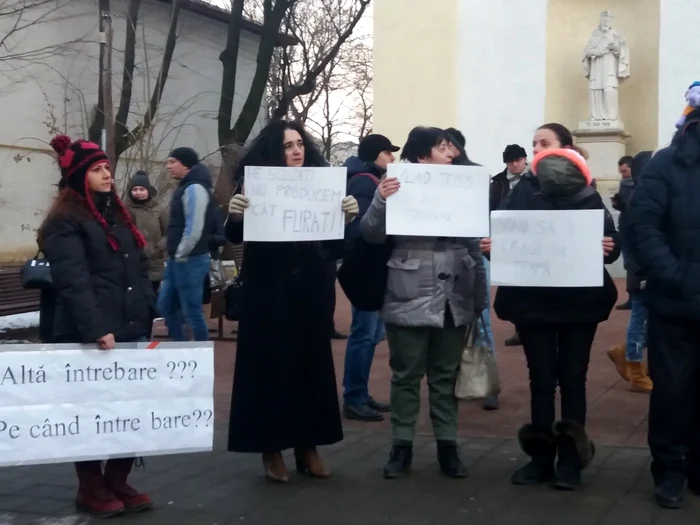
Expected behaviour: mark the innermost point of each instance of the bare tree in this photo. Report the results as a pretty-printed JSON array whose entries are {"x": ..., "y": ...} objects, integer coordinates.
[
  {"x": 18, "y": 20},
  {"x": 322, "y": 28},
  {"x": 124, "y": 137}
]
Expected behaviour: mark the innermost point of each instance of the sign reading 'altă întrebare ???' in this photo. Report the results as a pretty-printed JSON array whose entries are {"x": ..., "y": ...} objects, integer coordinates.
[{"x": 294, "y": 204}]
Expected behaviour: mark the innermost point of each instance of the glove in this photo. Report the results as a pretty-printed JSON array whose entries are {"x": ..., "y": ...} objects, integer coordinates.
[
  {"x": 238, "y": 204},
  {"x": 351, "y": 208}
]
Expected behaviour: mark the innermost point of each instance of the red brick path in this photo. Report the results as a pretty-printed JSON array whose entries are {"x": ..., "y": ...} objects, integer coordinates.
[{"x": 616, "y": 416}]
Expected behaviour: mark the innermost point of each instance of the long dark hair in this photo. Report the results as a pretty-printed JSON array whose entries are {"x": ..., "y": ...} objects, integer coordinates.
[
  {"x": 267, "y": 149},
  {"x": 564, "y": 136}
]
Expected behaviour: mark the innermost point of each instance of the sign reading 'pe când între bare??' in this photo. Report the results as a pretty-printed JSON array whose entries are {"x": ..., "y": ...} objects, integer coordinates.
[
  {"x": 62, "y": 403},
  {"x": 439, "y": 201},
  {"x": 294, "y": 204}
]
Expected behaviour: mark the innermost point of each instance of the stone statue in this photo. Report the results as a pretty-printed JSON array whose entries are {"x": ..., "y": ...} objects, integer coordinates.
[{"x": 606, "y": 62}]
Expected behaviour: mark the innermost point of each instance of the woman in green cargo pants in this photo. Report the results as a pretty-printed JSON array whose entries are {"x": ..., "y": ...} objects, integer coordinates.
[{"x": 435, "y": 288}]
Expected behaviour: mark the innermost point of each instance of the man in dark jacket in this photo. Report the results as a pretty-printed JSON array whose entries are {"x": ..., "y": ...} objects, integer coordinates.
[
  {"x": 663, "y": 231},
  {"x": 620, "y": 201},
  {"x": 375, "y": 153},
  {"x": 515, "y": 159},
  {"x": 192, "y": 221}
]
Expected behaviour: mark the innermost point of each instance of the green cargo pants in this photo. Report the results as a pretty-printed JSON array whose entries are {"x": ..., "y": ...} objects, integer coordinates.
[{"x": 416, "y": 352}]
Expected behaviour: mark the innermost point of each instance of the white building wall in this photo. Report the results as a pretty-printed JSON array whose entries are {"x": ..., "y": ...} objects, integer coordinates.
[{"x": 501, "y": 75}]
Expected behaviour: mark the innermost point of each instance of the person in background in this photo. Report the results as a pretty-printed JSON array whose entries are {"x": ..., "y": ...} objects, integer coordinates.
[
  {"x": 620, "y": 201},
  {"x": 375, "y": 152},
  {"x": 662, "y": 231},
  {"x": 435, "y": 288},
  {"x": 628, "y": 357},
  {"x": 152, "y": 221},
  {"x": 458, "y": 147},
  {"x": 192, "y": 221},
  {"x": 102, "y": 291},
  {"x": 284, "y": 388},
  {"x": 515, "y": 159}
]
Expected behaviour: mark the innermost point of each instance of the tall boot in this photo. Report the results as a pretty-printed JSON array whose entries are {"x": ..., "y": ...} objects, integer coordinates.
[
  {"x": 617, "y": 356},
  {"x": 539, "y": 444},
  {"x": 575, "y": 451},
  {"x": 639, "y": 381},
  {"x": 93, "y": 497},
  {"x": 116, "y": 473}
]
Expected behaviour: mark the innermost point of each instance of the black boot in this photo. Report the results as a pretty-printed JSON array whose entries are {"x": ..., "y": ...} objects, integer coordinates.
[
  {"x": 450, "y": 463},
  {"x": 669, "y": 490},
  {"x": 400, "y": 459},
  {"x": 575, "y": 451},
  {"x": 540, "y": 446}
]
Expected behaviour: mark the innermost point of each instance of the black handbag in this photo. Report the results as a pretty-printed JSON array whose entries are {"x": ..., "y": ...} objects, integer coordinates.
[
  {"x": 234, "y": 300},
  {"x": 364, "y": 273},
  {"x": 36, "y": 274}
]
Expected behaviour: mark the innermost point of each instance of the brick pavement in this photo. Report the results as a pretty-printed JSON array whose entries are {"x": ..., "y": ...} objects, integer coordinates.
[{"x": 221, "y": 488}]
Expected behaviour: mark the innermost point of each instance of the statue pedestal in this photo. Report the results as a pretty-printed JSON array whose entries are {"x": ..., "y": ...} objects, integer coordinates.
[{"x": 605, "y": 142}]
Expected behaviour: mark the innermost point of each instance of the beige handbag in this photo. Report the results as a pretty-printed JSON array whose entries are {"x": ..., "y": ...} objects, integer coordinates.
[{"x": 478, "y": 371}]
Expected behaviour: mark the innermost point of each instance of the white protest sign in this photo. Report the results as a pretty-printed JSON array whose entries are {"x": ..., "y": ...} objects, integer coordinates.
[
  {"x": 294, "y": 204},
  {"x": 561, "y": 248},
  {"x": 439, "y": 201},
  {"x": 61, "y": 403}
]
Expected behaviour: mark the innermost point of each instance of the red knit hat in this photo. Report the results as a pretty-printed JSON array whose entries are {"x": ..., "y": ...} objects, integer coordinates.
[{"x": 76, "y": 159}]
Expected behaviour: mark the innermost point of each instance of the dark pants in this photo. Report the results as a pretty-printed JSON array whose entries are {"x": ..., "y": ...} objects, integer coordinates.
[
  {"x": 557, "y": 355},
  {"x": 330, "y": 306},
  {"x": 673, "y": 348}
]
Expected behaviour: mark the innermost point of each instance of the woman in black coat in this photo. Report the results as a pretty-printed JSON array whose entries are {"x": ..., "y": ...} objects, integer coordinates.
[
  {"x": 557, "y": 327},
  {"x": 101, "y": 292},
  {"x": 284, "y": 388}
]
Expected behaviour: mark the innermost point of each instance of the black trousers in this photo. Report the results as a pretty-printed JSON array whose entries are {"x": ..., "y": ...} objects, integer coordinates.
[
  {"x": 332, "y": 275},
  {"x": 557, "y": 354},
  {"x": 673, "y": 348}
]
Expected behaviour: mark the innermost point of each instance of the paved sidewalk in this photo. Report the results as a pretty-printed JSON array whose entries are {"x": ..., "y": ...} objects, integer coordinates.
[{"x": 223, "y": 489}]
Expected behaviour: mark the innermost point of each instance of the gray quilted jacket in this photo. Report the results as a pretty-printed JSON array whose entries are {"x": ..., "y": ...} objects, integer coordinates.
[{"x": 426, "y": 273}]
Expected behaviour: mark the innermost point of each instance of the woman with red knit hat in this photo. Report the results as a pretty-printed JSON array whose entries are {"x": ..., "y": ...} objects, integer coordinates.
[
  {"x": 102, "y": 291},
  {"x": 557, "y": 325}
]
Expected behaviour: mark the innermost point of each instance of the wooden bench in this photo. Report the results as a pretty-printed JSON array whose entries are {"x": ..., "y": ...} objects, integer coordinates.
[{"x": 13, "y": 298}]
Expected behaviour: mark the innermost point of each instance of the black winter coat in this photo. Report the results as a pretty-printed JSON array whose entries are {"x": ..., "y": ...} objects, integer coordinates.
[
  {"x": 98, "y": 291},
  {"x": 663, "y": 225},
  {"x": 284, "y": 388},
  {"x": 540, "y": 305}
]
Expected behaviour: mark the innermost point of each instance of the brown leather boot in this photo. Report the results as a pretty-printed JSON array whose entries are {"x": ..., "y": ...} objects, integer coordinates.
[
  {"x": 310, "y": 464},
  {"x": 617, "y": 356},
  {"x": 275, "y": 469},
  {"x": 639, "y": 381}
]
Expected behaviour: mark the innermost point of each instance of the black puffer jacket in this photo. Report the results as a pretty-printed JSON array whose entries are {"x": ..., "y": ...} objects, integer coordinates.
[
  {"x": 540, "y": 305},
  {"x": 634, "y": 272},
  {"x": 663, "y": 225},
  {"x": 98, "y": 290}
]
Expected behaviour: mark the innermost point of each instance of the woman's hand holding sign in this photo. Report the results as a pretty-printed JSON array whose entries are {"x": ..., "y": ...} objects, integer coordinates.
[
  {"x": 608, "y": 245},
  {"x": 388, "y": 186}
]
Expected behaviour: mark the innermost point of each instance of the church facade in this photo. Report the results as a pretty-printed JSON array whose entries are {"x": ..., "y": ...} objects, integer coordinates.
[{"x": 497, "y": 69}]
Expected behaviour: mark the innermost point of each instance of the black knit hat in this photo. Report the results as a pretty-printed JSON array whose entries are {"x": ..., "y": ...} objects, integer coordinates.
[
  {"x": 186, "y": 156},
  {"x": 514, "y": 152},
  {"x": 140, "y": 178}
]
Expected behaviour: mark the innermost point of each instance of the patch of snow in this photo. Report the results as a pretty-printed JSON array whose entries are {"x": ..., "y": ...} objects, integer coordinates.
[{"x": 10, "y": 322}]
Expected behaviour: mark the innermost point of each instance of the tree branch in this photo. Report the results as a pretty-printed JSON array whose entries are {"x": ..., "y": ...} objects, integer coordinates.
[
  {"x": 128, "y": 74},
  {"x": 229, "y": 60}
]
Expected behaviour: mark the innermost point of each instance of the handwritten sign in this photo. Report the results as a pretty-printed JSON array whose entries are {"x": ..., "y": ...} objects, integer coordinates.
[
  {"x": 294, "y": 204},
  {"x": 439, "y": 201},
  {"x": 61, "y": 403},
  {"x": 547, "y": 248}
]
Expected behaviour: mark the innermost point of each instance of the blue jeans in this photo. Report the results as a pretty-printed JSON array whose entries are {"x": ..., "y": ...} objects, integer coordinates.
[
  {"x": 485, "y": 332},
  {"x": 366, "y": 331},
  {"x": 637, "y": 328},
  {"x": 180, "y": 297}
]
